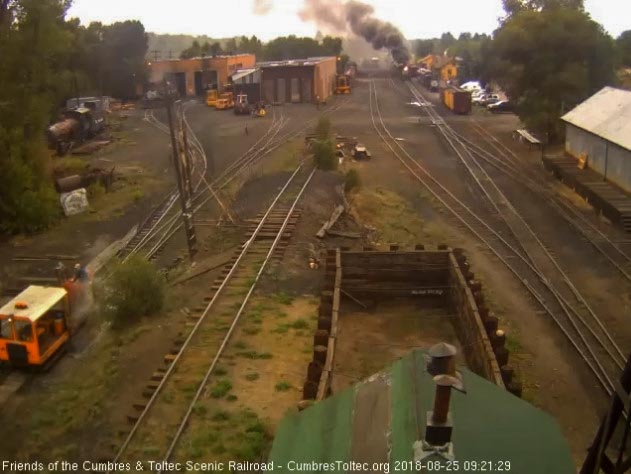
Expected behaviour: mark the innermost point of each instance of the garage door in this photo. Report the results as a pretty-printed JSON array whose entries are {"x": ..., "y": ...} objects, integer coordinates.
[
  {"x": 295, "y": 89},
  {"x": 306, "y": 90},
  {"x": 268, "y": 91},
  {"x": 280, "y": 90}
]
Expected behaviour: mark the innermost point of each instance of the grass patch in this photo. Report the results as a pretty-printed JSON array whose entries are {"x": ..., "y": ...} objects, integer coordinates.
[
  {"x": 300, "y": 324},
  {"x": 513, "y": 344},
  {"x": 282, "y": 386},
  {"x": 199, "y": 409},
  {"x": 220, "y": 371},
  {"x": 251, "y": 331},
  {"x": 221, "y": 388},
  {"x": 252, "y": 376},
  {"x": 284, "y": 298},
  {"x": 391, "y": 214},
  {"x": 252, "y": 354},
  {"x": 240, "y": 345},
  {"x": 232, "y": 398},
  {"x": 220, "y": 415}
]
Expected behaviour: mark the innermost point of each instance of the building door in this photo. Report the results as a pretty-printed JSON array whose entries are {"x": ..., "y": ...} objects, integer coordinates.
[
  {"x": 295, "y": 89},
  {"x": 281, "y": 89},
  {"x": 177, "y": 80},
  {"x": 199, "y": 83},
  {"x": 306, "y": 90},
  {"x": 268, "y": 91}
]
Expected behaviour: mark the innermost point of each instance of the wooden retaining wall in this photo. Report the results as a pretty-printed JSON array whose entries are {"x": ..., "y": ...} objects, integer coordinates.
[
  {"x": 440, "y": 276},
  {"x": 471, "y": 331}
]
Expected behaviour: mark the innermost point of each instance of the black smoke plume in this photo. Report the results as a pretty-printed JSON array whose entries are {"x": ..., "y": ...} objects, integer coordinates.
[{"x": 358, "y": 17}]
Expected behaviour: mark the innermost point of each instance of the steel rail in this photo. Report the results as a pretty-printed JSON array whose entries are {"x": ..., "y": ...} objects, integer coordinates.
[
  {"x": 224, "y": 343},
  {"x": 519, "y": 226},
  {"x": 201, "y": 319},
  {"x": 602, "y": 377},
  {"x": 564, "y": 209}
]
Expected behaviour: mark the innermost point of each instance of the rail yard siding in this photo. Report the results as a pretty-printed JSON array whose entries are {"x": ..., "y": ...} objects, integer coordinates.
[
  {"x": 607, "y": 158},
  {"x": 476, "y": 345}
]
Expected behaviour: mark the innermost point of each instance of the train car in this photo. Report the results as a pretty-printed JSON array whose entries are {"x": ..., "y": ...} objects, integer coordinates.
[{"x": 457, "y": 100}]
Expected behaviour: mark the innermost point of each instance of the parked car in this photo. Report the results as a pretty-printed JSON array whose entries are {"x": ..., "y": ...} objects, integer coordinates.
[
  {"x": 477, "y": 99},
  {"x": 501, "y": 106},
  {"x": 490, "y": 99},
  {"x": 360, "y": 152}
]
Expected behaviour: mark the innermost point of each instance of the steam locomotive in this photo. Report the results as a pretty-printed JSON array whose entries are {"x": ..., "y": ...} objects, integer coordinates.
[{"x": 82, "y": 119}]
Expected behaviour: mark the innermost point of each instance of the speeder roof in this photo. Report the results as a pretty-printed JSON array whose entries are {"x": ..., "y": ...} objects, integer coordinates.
[{"x": 38, "y": 300}]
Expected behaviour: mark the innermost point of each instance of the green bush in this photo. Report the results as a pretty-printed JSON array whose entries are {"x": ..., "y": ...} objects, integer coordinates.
[
  {"x": 221, "y": 388},
  {"x": 282, "y": 386},
  {"x": 134, "y": 289},
  {"x": 323, "y": 128},
  {"x": 351, "y": 180},
  {"x": 324, "y": 154}
]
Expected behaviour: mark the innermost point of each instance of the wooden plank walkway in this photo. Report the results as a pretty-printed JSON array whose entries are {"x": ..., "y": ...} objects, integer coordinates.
[{"x": 612, "y": 201}]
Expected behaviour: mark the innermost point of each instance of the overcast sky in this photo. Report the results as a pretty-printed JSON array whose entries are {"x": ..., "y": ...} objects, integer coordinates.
[{"x": 225, "y": 18}]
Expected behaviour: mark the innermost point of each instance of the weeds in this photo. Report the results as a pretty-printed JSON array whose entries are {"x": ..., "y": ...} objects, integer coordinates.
[
  {"x": 252, "y": 376},
  {"x": 282, "y": 386},
  {"x": 221, "y": 388}
]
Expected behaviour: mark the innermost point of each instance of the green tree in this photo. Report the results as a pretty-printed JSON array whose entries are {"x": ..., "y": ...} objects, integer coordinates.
[
  {"x": 125, "y": 47},
  {"x": 34, "y": 47},
  {"x": 512, "y": 7},
  {"x": 423, "y": 47},
  {"x": 549, "y": 61},
  {"x": 623, "y": 45}
]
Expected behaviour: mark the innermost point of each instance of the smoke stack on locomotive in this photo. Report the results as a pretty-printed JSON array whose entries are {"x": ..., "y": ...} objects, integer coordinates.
[{"x": 82, "y": 119}]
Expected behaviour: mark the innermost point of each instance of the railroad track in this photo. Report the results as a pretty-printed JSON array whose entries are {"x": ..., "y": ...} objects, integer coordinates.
[
  {"x": 506, "y": 161},
  {"x": 594, "y": 344},
  {"x": 156, "y": 235},
  {"x": 162, "y": 419}
]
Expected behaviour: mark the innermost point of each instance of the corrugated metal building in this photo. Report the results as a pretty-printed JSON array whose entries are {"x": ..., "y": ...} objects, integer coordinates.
[
  {"x": 298, "y": 80},
  {"x": 383, "y": 420},
  {"x": 600, "y": 129},
  {"x": 193, "y": 76}
]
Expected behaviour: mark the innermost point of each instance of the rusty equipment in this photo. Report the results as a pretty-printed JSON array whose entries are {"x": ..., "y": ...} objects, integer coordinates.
[
  {"x": 94, "y": 175},
  {"x": 242, "y": 106},
  {"x": 76, "y": 125}
]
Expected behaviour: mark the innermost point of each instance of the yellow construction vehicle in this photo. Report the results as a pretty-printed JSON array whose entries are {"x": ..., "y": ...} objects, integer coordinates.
[
  {"x": 211, "y": 97},
  {"x": 225, "y": 101},
  {"x": 342, "y": 84}
]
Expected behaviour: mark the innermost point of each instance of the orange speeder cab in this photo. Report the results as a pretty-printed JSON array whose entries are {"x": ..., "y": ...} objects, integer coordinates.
[{"x": 34, "y": 327}]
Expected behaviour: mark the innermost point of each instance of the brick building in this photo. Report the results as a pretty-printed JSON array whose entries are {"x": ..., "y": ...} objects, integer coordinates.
[{"x": 193, "y": 76}]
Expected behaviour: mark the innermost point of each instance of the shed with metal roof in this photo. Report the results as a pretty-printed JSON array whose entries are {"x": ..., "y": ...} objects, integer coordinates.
[
  {"x": 599, "y": 129},
  {"x": 380, "y": 426}
]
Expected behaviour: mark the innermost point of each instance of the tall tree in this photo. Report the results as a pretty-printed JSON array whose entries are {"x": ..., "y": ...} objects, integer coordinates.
[
  {"x": 125, "y": 47},
  {"x": 550, "y": 60},
  {"x": 623, "y": 44},
  {"x": 34, "y": 45}
]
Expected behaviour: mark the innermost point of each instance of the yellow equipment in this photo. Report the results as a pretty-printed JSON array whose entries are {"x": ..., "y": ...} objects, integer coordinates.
[
  {"x": 225, "y": 101},
  {"x": 34, "y": 326},
  {"x": 342, "y": 84},
  {"x": 211, "y": 97}
]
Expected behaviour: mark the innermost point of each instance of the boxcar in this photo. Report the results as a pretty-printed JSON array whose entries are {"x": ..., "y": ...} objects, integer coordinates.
[{"x": 456, "y": 100}]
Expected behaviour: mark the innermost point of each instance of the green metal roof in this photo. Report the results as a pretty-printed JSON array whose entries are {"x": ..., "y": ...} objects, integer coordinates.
[{"x": 376, "y": 421}]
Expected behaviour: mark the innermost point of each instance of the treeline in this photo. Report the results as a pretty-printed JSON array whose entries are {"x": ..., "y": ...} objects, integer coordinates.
[
  {"x": 547, "y": 55},
  {"x": 284, "y": 47},
  {"x": 45, "y": 60}
]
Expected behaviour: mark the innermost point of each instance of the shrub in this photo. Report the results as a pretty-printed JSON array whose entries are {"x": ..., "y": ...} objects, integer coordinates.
[
  {"x": 351, "y": 181},
  {"x": 282, "y": 386},
  {"x": 221, "y": 388},
  {"x": 323, "y": 128},
  {"x": 324, "y": 155},
  {"x": 134, "y": 289}
]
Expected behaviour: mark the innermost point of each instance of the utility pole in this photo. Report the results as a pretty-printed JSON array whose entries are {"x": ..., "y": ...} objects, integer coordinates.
[{"x": 180, "y": 173}]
